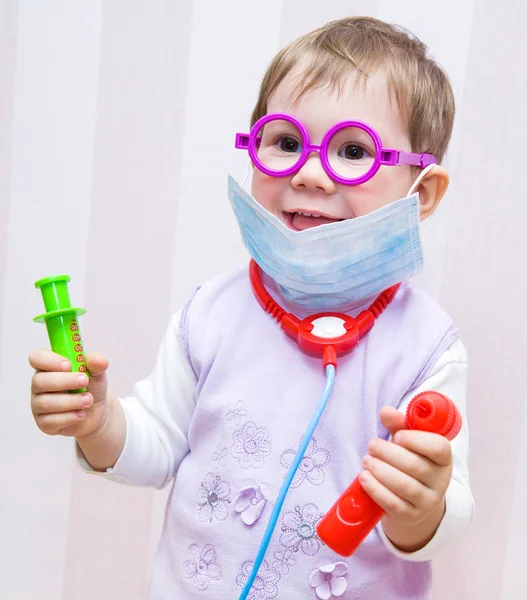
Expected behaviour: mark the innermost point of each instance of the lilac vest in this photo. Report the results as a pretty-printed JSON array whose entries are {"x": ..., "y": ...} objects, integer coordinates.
[{"x": 255, "y": 394}]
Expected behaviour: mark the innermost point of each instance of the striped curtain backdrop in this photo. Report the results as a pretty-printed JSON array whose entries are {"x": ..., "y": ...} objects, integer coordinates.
[{"x": 117, "y": 121}]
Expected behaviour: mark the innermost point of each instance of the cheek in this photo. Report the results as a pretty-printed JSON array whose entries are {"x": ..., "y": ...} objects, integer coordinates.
[
  {"x": 384, "y": 188},
  {"x": 265, "y": 190}
]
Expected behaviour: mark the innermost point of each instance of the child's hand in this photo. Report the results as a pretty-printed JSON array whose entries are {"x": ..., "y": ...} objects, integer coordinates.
[
  {"x": 59, "y": 413},
  {"x": 408, "y": 478}
]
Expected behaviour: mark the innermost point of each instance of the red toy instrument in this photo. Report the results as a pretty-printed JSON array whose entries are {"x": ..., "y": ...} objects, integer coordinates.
[{"x": 355, "y": 514}]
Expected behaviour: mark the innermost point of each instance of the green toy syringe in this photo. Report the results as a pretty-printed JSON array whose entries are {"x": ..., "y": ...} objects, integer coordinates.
[{"x": 61, "y": 322}]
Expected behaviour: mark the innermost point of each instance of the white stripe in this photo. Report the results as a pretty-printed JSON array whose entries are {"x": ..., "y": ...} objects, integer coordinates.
[{"x": 57, "y": 61}]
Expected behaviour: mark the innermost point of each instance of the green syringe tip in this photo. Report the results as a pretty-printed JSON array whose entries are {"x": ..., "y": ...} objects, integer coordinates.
[{"x": 55, "y": 292}]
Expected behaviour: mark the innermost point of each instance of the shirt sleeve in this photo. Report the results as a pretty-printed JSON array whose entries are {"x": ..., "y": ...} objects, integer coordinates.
[
  {"x": 158, "y": 416},
  {"x": 449, "y": 377}
]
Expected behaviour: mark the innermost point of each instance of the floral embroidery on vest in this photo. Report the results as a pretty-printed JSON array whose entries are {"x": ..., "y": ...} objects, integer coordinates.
[
  {"x": 283, "y": 561},
  {"x": 236, "y": 412},
  {"x": 219, "y": 456},
  {"x": 299, "y": 529},
  {"x": 201, "y": 566},
  {"x": 265, "y": 585},
  {"x": 251, "y": 445},
  {"x": 311, "y": 467},
  {"x": 329, "y": 580},
  {"x": 213, "y": 498}
]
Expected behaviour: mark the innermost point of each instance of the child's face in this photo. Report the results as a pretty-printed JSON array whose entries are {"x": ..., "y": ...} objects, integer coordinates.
[{"x": 311, "y": 190}]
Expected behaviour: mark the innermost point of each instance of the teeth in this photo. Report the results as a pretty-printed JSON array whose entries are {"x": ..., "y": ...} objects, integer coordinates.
[{"x": 309, "y": 214}]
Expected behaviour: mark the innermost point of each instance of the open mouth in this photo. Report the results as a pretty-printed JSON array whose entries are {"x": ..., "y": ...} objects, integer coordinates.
[{"x": 298, "y": 221}]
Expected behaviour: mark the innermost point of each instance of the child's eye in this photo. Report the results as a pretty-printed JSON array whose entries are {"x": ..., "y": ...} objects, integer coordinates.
[
  {"x": 353, "y": 152},
  {"x": 289, "y": 144}
]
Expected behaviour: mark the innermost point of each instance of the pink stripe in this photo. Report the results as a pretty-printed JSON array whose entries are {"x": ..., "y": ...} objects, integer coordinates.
[{"x": 484, "y": 287}]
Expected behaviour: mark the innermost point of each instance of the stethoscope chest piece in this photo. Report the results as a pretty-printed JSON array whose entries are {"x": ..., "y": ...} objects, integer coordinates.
[{"x": 323, "y": 332}]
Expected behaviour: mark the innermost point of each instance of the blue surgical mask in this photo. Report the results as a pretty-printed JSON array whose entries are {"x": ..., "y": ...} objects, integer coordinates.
[{"x": 337, "y": 264}]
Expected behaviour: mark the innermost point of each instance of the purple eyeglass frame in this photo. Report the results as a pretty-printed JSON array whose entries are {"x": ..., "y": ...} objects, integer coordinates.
[{"x": 383, "y": 156}]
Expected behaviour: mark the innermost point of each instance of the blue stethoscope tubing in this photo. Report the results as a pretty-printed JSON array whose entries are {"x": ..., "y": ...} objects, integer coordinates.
[{"x": 273, "y": 519}]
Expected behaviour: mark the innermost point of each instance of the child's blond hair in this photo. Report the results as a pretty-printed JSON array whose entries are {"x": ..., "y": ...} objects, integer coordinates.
[{"x": 420, "y": 87}]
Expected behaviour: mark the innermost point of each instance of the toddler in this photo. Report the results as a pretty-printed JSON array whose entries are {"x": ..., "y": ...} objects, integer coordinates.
[{"x": 347, "y": 135}]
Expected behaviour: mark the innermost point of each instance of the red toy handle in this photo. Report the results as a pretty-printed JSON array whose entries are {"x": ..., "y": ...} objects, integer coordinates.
[{"x": 355, "y": 514}]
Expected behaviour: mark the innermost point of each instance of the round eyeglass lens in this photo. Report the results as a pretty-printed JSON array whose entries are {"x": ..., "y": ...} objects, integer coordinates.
[
  {"x": 279, "y": 145},
  {"x": 351, "y": 152}
]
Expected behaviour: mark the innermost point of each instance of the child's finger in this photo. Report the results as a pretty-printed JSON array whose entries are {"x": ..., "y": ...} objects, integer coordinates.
[
  {"x": 392, "y": 419},
  {"x": 393, "y": 505},
  {"x": 43, "y": 359},
  {"x": 432, "y": 446},
  {"x": 55, "y": 423},
  {"x": 400, "y": 484},
  {"x": 44, "y": 404},
  {"x": 43, "y": 382},
  {"x": 97, "y": 363},
  {"x": 415, "y": 465}
]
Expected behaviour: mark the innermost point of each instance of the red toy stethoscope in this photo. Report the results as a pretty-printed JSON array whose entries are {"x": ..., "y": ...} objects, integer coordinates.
[{"x": 327, "y": 334}]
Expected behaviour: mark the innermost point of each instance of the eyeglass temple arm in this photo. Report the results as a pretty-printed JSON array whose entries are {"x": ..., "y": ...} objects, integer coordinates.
[
  {"x": 242, "y": 141},
  {"x": 398, "y": 157}
]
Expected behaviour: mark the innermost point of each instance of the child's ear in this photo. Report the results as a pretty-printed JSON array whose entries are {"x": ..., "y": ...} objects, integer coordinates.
[{"x": 431, "y": 189}]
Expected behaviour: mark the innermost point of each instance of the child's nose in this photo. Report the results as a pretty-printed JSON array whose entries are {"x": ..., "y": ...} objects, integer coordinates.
[{"x": 312, "y": 176}]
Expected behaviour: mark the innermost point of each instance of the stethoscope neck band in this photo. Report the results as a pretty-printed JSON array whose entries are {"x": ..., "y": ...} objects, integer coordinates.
[{"x": 328, "y": 334}]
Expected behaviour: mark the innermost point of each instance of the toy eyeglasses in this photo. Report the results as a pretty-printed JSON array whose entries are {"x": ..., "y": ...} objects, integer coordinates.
[{"x": 351, "y": 152}]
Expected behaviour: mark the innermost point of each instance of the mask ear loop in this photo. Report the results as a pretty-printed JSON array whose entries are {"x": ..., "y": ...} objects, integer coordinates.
[
  {"x": 420, "y": 178},
  {"x": 247, "y": 170},
  {"x": 423, "y": 225}
]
